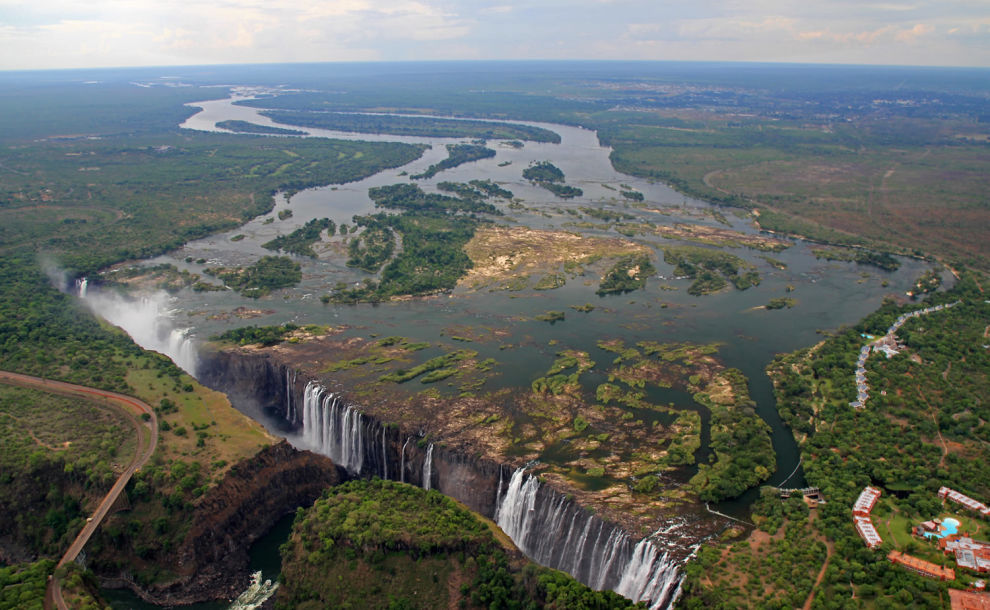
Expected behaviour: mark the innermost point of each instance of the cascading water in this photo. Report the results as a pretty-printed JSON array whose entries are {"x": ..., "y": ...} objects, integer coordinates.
[
  {"x": 81, "y": 287},
  {"x": 332, "y": 428},
  {"x": 402, "y": 461},
  {"x": 428, "y": 468},
  {"x": 556, "y": 532},
  {"x": 546, "y": 525},
  {"x": 290, "y": 409},
  {"x": 384, "y": 455},
  {"x": 147, "y": 320}
]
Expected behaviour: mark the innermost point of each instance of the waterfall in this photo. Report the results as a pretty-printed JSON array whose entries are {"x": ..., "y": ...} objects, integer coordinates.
[
  {"x": 332, "y": 428},
  {"x": 384, "y": 455},
  {"x": 554, "y": 531},
  {"x": 182, "y": 350},
  {"x": 147, "y": 320},
  {"x": 402, "y": 462},
  {"x": 428, "y": 468},
  {"x": 81, "y": 286},
  {"x": 290, "y": 413}
]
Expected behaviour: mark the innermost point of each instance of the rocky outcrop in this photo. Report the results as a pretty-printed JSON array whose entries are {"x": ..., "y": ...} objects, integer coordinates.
[
  {"x": 212, "y": 560},
  {"x": 258, "y": 385}
]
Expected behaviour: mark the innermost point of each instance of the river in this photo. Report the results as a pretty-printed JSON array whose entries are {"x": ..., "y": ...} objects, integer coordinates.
[{"x": 829, "y": 294}]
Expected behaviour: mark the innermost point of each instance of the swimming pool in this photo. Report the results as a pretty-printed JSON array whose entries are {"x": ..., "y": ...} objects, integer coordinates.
[{"x": 948, "y": 527}]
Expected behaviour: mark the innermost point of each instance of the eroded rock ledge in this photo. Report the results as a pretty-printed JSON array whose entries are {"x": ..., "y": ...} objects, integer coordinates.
[{"x": 212, "y": 561}]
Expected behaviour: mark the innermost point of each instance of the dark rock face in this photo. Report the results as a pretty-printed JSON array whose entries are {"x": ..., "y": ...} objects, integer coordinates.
[
  {"x": 252, "y": 497},
  {"x": 212, "y": 560},
  {"x": 257, "y": 386}
]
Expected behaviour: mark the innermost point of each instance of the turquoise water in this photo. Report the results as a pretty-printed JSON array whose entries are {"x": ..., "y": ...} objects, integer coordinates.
[{"x": 949, "y": 527}]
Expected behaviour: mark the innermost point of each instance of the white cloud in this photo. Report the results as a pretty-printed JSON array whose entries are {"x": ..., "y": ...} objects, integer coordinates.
[{"x": 70, "y": 33}]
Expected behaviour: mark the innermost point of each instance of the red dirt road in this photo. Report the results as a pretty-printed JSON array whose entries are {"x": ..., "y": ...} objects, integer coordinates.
[{"x": 147, "y": 434}]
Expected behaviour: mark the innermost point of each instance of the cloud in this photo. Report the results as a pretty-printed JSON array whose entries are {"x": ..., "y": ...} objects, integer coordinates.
[{"x": 69, "y": 33}]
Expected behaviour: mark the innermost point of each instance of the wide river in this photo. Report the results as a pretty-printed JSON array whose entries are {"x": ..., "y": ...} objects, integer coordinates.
[{"x": 829, "y": 294}]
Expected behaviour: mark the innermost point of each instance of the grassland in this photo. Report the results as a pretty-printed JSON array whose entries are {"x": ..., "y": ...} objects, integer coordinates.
[
  {"x": 92, "y": 203},
  {"x": 908, "y": 186},
  {"x": 57, "y": 451}
]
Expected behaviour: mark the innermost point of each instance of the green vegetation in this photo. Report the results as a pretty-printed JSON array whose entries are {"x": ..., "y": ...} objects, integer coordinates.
[
  {"x": 399, "y": 546},
  {"x": 302, "y": 239},
  {"x": 882, "y": 260},
  {"x": 780, "y": 303},
  {"x": 563, "y": 191},
  {"x": 433, "y": 234},
  {"x": 374, "y": 246},
  {"x": 742, "y": 451},
  {"x": 817, "y": 179},
  {"x": 260, "y": 335},
  {"x": 923, "y": 427},
  {"x": 80, "y": 588},
  {"x": 632, "y": 195},
  {"x": 928, "y": 282},
  {"x": 433, "y": 365},
  {"x": 551, "y": 316},
  {"x": 457, "y": 154},
  {"x": 151, "y": 194},
  {"x": 475, "y": 189},
  {"x": 762, "y": 571},
  {"x": 246, "y": 127},
  {"x": 22, "y": 586},
  {"x": 411, "y": 198},
  {"x": 607, "y": 215},
  {"x": 543, "y": 171},
  {"x": 550, "y": 177},
  {"x": 258, "y": 280},
  {"x": 556, "y": 382},
  {"x": 628, "y": 274},
  {"x": 58, "y": 453},
  {"x": 406, "y": 125},
  {"x": 491, "y": 189},
  {"x": 551, "y": 281},
  {"x": 710, "y": 269}
]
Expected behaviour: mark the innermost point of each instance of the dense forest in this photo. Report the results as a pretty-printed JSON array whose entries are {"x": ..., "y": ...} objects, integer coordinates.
[
  {"x": 399, "y": 546},
  {"x": 457, "y": 154}
]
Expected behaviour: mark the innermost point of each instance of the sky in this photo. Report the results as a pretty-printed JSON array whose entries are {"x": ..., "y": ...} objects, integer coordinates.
[{"x": 42, "y": 34}]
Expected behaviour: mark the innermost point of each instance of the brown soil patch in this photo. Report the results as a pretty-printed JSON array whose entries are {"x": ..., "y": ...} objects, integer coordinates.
[
  {"x": 720, "y": 237},
  {"x": 500, "y": 254}
]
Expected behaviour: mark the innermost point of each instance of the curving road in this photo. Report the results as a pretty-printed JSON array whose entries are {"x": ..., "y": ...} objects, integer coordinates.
[{"x": 147, "y": 435}]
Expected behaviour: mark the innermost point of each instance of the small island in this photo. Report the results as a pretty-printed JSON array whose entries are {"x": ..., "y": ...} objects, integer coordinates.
[
  {"x": 550, "y": 177},
  {"x": 245, "y": 127}
]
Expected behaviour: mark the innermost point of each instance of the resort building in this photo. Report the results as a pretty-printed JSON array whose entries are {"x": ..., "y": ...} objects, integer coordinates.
[
  {"x": 920, "y": 566},
  {"x": 971, "y": 554},
  {"x": 950, "y": 494},
  {"x": 866, "y": 501},
  {"x": 969, "y": 600},
  {"x": 867, "y": 532}
]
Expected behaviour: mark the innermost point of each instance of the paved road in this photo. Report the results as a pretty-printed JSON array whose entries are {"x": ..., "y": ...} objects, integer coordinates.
[{"x": 147, "y": 433}]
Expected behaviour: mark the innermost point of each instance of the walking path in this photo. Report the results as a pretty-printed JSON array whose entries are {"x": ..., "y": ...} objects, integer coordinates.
[
  {"x": 885, "y": 343},
  {"x": 146, "y": 431}
]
